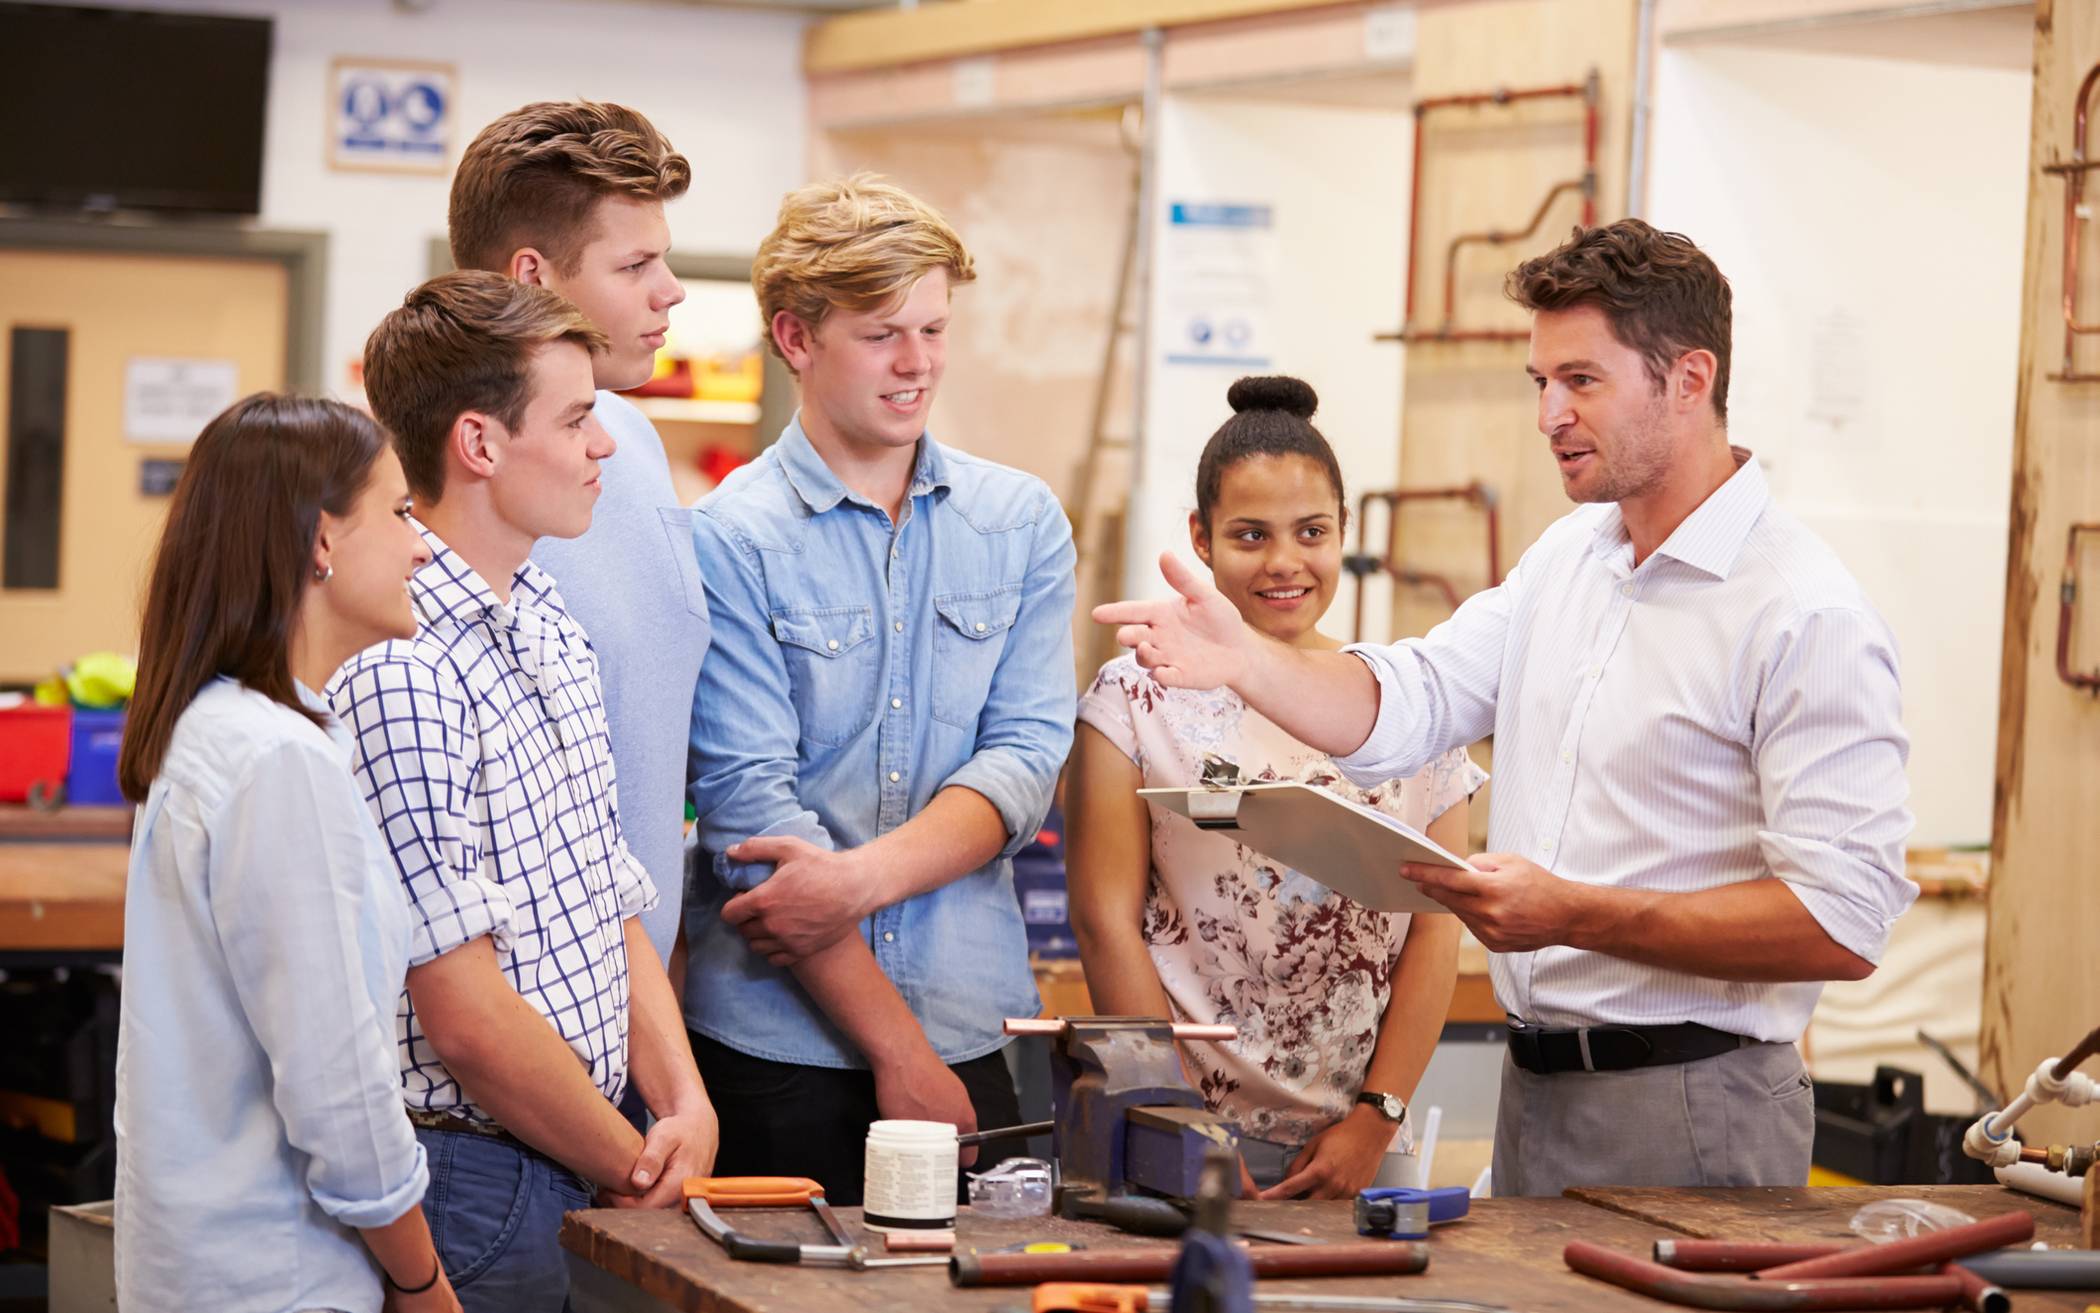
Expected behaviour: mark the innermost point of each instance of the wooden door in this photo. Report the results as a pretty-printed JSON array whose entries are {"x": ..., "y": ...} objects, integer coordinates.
[{"x": 114, "y": 308}]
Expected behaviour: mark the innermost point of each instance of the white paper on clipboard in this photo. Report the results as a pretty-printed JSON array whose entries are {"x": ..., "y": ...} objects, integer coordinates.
[{"x": 1352, "y": 849}]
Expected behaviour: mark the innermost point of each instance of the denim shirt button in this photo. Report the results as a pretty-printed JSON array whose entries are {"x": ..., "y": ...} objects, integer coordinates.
[{"x": 894, "y": 777}]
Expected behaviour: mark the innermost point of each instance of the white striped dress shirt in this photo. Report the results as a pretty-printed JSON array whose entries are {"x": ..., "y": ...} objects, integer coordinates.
[{"x": 1730, "y": 709}]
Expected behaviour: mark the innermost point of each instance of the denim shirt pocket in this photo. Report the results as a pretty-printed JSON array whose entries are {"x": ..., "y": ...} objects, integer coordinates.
[
  {"x": 967, "y": 645},
  {"x": 833, "y": 668}
]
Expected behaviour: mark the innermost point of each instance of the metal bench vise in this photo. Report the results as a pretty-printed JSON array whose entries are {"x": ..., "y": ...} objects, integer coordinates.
[{"x": 1128, "y": 1131}]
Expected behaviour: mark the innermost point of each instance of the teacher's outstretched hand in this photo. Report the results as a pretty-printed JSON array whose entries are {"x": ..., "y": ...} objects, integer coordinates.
[{"x": 1194, "y": 639}]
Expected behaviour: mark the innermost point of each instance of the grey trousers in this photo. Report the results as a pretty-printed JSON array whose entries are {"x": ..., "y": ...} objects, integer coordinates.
[{"x": 1743, "y": 1118}]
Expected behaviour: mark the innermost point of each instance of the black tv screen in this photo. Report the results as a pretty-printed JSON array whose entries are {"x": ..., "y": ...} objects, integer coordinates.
[{"x": 110, "y": 109}]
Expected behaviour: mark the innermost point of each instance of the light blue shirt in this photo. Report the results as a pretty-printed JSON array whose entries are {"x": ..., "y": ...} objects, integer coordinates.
[
  {"x": 858, "y": 668},
  {"x": 631, "y": 582},
  {"x": 258, "y": 1109}
]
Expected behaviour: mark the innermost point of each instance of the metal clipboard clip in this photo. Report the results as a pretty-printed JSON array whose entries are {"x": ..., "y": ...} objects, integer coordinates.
[{"x": 1216, "y": 806}]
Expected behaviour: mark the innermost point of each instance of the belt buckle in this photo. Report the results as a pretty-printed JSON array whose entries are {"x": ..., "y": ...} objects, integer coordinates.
[{"x": 1524, "y": 1047}]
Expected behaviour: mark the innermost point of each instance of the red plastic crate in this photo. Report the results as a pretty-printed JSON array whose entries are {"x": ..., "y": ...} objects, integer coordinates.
[{"x": 36, "y": 747}]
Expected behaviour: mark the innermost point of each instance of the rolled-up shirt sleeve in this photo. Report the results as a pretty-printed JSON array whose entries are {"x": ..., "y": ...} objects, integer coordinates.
[
  {"x": 1025, "y": 732},
  {"x": 418, "y": 765},
  {"x": 289, "y": 884},
  {"x": 1830, "y": 750}
]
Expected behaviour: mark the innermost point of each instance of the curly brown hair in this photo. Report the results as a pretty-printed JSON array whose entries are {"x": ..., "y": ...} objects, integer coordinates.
[
  {"x": 1661, "y": 294},
  {"x": 532, "y": 177}
]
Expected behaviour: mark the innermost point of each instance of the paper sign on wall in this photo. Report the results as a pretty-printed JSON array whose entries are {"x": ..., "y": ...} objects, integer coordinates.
[
  {"x": 172, "y": 400},
  {"x": 1217, "y": 284},
  {"x": 391, "y": 115}
]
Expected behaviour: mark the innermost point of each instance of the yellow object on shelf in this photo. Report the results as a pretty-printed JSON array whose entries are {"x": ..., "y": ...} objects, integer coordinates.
[
  {"x": 102, "y": 680},
  {"x": 729, "y": 378}
]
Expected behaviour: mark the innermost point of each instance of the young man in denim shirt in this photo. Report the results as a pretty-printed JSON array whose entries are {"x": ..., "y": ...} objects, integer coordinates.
[{"x": 880, "y": 719}]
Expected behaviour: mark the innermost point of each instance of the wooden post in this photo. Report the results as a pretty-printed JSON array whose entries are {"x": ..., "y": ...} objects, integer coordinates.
[
  {"x": 2040, "y": 988},
  {"x": 2089, "y": 1216}
]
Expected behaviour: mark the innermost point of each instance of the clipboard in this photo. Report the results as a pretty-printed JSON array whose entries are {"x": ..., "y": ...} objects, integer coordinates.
[{"x": 1352, "y": 849}]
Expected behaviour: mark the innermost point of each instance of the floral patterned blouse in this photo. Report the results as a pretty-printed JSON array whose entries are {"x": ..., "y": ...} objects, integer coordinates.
[{"x": 1303, "y": 972}]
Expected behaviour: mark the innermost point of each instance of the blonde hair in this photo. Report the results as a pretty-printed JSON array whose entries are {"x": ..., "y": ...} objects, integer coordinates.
[
  {"x": 854, "y": 244},
  {"x": 462, "y": 341},
  {"x": 532, "y": 177}
]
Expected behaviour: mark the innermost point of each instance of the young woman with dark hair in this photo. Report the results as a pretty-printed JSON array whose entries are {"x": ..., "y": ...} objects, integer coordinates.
[
  {"x": 1338, "y": 1006},
  {"x": 264, "y": 1160}
]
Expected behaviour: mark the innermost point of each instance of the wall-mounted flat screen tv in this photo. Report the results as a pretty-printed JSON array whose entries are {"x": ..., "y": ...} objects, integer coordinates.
[{"x": 116, "y": 109}]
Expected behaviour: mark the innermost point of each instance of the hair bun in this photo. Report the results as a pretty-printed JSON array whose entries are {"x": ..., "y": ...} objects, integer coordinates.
[{"x": 1274, "y": 392}]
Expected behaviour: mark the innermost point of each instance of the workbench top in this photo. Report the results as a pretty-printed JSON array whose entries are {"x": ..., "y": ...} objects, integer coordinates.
[
  {"x": 62, "y": 896},
  {"x": 1508, "y": 1251}
]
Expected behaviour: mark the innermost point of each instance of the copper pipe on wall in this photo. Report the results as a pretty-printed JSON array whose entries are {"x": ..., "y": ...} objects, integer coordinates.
[
  {"x": 2084, "y": 1049},
  {"x": 1364, "y": 565},
  {"x": 2066, "y": 608},
  {"x": 1589, "y": 90},
  {"x": 2073, "y": 172}
]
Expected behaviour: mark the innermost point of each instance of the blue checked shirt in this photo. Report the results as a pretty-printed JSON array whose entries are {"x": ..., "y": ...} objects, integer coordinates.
[
  {"x": 482, "y": 750},
  {"x": 858, "y": 668}
]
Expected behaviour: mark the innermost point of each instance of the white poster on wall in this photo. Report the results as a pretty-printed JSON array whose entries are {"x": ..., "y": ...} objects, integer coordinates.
[
  {"x": 1217, "y": 285},
  {"x": 172, "y": 400},
  {"x": 391, "y": 115}
]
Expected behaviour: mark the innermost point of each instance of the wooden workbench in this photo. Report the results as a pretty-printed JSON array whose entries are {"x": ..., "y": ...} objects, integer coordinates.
[
  {"x": 62, "y": 898},
  {"x": 1507, "y": 1252}
]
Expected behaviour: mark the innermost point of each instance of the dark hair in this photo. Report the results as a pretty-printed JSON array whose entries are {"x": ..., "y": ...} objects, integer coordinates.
[
  {"x": 1661, "y": 295},
  {"x": 462, "y": 341},
  {"x": 532, "y": 177},
  {"x": 1272, "y": 417},
  {"x": 236, "y": 557}
]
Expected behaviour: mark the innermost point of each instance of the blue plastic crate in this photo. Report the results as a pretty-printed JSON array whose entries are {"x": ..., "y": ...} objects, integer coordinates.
[{"x": 98, "y": 738}]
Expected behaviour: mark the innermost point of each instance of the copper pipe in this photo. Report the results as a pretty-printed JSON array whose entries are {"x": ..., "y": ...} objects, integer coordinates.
[
  {"x": 2086, "y": 1047},
  {"x": 1693, "y": 1290},
  {"x": 2074, "y": 225},
  {"x": 1496, "y": 237},
  {"x": 1476, "y": 493},
  {"x": 1932, "y": 1247},
  {"x": 1592, "y": 87},
  {"x": 1499, "y": 96},
  {"x": 1379, "y": 1258},
  {"x": 1455, "y": 335},
  {"x": 2066, "y": 606},
  {"x": 1733, "y": 1255},
  {"x": 1977, "y": 1294},
  {"x": 1183, "y": 1030}
]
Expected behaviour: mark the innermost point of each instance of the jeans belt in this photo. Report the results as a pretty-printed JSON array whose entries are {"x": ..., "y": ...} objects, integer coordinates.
[
  {"x": 452, "y": 1121},
  {"x": 1545, "y": 1052}
]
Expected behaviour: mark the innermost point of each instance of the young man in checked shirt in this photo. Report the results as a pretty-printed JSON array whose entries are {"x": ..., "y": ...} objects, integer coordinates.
[{"x": 533, "y": 992}]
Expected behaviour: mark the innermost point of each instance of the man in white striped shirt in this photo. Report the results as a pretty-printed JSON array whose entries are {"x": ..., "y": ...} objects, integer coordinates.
[{"x": 1699, "y": 809}]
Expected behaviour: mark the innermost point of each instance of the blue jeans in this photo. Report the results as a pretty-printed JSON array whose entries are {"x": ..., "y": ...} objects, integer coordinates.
[{"x": 495, "y": 1215}]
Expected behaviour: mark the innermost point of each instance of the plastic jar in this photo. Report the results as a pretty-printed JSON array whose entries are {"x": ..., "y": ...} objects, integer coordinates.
[{"x": 911, "y": 1173}]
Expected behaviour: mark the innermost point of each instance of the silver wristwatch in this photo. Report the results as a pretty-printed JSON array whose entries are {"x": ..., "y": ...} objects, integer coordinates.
[{"x": 1390, "y": 1106}]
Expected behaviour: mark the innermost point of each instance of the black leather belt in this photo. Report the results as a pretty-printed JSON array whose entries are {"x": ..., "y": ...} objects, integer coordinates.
[{"x": 1616, "y": 1048}]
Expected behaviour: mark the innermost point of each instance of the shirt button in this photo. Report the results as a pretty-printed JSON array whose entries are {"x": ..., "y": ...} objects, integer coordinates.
[
  {"x": 980, "y": 626},
  {"x": 831, "y": 644},
  {"x": 1549, "y": 845},
  {"x": 1567, "y": 755},
  {"x": 1626, "y": 590},
  {"x": 899, "y": 626},
  {"x": 1596, "y": 672},
  {"x": 894, "y": 777},
  {"x": 889, "y": 936},
  {"x": 896, "y": 704}
]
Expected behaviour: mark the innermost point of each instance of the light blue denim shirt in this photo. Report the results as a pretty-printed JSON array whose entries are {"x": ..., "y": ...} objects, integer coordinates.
[
  {"x": 857, "y": 668},
  {"x": 266, "y": 937}
]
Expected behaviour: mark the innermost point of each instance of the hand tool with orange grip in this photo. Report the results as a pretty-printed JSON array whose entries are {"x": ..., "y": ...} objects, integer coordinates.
[
  {"x": 702, "y": 1193},
  {"x": 1080, "y": 1297}
]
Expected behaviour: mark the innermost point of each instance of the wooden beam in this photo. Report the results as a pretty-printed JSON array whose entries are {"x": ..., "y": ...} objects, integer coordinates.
[
  {"x": 884, "y": 38},
  {"x": 2040, "y": 988}
]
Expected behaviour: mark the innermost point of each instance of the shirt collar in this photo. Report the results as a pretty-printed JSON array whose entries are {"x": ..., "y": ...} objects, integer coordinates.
[
  {"x": 820, "y": 489},
  {"x": 449, "y": 589},
  {"x": 1711, "y": 538}
]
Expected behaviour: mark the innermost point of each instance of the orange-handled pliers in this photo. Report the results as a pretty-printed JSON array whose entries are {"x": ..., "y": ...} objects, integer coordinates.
[{"x": 703, "y": 1192}]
